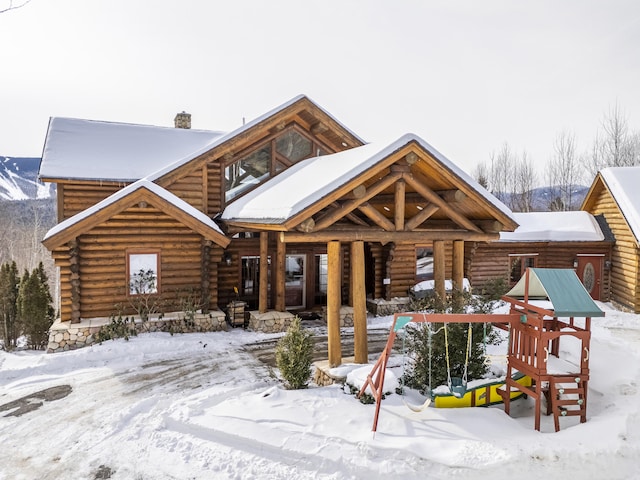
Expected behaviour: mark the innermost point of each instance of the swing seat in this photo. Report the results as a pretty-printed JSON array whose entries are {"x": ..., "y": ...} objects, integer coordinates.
[{"x": 458, "y": 387}]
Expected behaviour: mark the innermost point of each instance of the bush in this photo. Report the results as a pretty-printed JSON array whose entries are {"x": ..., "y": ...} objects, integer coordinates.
[
  {"x": 294, "y": 355},
  {"x": 118, "y": 327},
  {"x": 34, "y": 307}
]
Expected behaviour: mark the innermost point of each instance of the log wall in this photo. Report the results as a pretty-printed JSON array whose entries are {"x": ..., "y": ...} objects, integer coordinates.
[
  {"x": 103, "y": 257},
  {"x": 625, "y": 281},
  {"x": 78, "y": 197},
  {"x": 488, "y": 261}
]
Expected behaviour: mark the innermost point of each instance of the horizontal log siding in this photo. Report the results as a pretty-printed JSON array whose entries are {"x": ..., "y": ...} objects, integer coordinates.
[
  {"x": 103, "y": 260},
  {"x": 488, "y": 261},
  {"x": 77, "y": 198},
  {"x": 190, "y": 189},
  {"x": 625, "y": 288},
  {"x": 214, "y": 187},
  {"x": 401, "y": 269}
]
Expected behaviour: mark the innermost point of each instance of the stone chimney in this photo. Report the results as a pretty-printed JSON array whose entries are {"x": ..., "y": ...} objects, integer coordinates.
[{"x": 182, "y": 120}]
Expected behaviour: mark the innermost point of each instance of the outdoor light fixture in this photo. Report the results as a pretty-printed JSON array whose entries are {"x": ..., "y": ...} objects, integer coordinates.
[
  {"x": 575, "y": 263},
  {"x": 226, "y": 258}
]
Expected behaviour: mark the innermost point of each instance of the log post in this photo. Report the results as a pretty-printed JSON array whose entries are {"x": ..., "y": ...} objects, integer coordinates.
[
  {"x": 399, "y": 205},
  {"x": 281, "y": 253},
  {"x": 263, "y": 300},
  {"x": 333, "y": 303},
  {"x": 205, "y": 275},
  {"x": 359, "y": 296},
  {"x": 458, "y": 265},
  {"x": 74, "y": 262},
  {"x": 439, "y": 267}
]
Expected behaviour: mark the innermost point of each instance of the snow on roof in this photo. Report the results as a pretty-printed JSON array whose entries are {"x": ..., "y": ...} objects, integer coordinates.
[
  {"x": 223, "y": 138},
  {"x": 156, "y": 189},
  {"x": 554, "y": 227},
  {"x": 310, "y": 180},
  {"x": 623, "y": 183},
  {"x": 96, "y": 150}
]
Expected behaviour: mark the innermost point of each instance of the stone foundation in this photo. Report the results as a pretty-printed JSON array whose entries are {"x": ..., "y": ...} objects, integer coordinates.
[
  {"x": 382, "y": 308},
  {"x": 69, "y": 336},
  {"x": 270, "y": 322},
  {"x": 346, "y": 316}
]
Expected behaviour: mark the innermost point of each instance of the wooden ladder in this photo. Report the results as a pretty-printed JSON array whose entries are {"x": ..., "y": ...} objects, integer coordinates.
[{"x": 568, "y": 397}]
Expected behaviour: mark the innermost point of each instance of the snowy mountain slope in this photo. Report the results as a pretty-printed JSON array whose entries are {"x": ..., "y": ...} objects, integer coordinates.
[{"x": 19, "y": 179}]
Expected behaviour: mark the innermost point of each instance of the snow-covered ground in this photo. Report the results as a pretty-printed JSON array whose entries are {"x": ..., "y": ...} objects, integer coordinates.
[{"x": 199, "y": 406}]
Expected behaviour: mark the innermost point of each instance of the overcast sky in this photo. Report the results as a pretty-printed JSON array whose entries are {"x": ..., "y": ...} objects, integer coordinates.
[{"x": 465, "y": 75}]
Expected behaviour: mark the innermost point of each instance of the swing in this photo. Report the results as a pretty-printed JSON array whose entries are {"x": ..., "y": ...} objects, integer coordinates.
[{"x": 457, "y": 385}]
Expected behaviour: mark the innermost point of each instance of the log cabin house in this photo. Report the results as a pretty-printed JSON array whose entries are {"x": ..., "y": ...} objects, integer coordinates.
[
  {"x": 615, "y": 195},
  {"x": 574, "y": 239},
  {"x": 290, "y": 212}
]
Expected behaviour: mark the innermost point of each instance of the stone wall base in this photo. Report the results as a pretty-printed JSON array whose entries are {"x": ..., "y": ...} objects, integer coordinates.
[
  {"x": 346, "y": 316},
  {"x": 270, "y": 322},
  {"x": 70, "y": 336},
  {"x": 382, "y": 308}
]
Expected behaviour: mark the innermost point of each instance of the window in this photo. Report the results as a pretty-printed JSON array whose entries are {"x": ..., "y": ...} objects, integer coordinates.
[
  {"x": 518, "y": 264},
  {"x": 143, "y": 273},
  {"x": 268, "y": 159}
]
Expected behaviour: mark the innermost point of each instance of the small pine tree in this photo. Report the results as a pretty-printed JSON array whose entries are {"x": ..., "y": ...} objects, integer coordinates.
[
  {"x": 34, "y": 307},
  {"x": 9, "y": 326},
  {"x": 294, "y": 355}
]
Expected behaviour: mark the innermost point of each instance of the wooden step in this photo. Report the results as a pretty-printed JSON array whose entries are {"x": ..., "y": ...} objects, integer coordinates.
[{"x": 568, "y": 398}]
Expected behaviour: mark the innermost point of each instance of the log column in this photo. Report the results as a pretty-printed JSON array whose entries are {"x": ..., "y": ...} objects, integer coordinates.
[
  {"x": 264, "y": 272},
  {"x": 439, "y": 267},
  {"x": 458, "y": 264},
  {"x": 281, "y": 254},
  {"x": 74, "y": 262},
  {"x": 205, "y": 276},
  {"x": 333, "y": 303},
  {"x": 358, "y": 295}
]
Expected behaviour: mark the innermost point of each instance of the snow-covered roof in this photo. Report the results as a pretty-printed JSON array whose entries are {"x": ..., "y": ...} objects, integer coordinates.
[
  {"x": 223, "y": 138},
  {"x": 624, "y": 185},
  {"x": 109, "y": 151},
  {"x": 572, "y": 226},
  {"x": 310, "y": 180},
  {"x": 152, "y": 187}
]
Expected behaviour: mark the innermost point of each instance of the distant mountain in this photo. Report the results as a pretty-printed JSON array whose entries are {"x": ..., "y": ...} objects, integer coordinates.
[
  {"x": 544, "y": 196},
  {"x": 19, "y": 180}
]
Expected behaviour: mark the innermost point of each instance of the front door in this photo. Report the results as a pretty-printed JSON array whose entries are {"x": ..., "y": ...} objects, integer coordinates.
[
  {"x": 589, "y": 272},
  {"x": 295, "y": 285}
]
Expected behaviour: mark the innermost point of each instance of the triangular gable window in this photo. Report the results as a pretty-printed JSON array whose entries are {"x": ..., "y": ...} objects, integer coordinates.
[{"x": 268, "y": 159}]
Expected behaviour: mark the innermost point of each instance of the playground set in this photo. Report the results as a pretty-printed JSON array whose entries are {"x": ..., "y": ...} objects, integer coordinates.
[{"x": 546, "y": 305}]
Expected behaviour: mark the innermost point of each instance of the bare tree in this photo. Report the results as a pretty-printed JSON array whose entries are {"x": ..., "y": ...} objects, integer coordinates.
[
  {"x": 524, "y": 182},
  {"x": 563, "y": 171},
  {"x": 615, "y": 145},
  {"x": 11, "y": 6}
]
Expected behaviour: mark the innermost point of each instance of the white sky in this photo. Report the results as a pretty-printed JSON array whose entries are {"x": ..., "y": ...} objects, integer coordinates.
[{"x": 466, "y": 75}]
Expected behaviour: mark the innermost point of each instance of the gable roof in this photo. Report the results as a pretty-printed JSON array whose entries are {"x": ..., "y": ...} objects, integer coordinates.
[
  {"x": 122, "y": 199},
  {"x": 108, "y": 151},
  {"x": 574, "y": 226},
  {"x": 92, "y": 150},
  {"x": 309, "y": 182},
  {"x": 622, "y": 183},
  {"x": 561, "y": 287}
]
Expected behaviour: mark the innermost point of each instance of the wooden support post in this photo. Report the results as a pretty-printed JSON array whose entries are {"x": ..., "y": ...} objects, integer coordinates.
[
  {"x": 439, "y": 267},
  {"x": 281, "y": 254},
  {"x": 205, "y": 276},
  {"x": 399, "y": 205},
  {"x": 333, "y": 303},
  {"x": 359, "y": 300},
  {"x": 458, "y": 265},
  {"x": 263, "y": 300}
]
